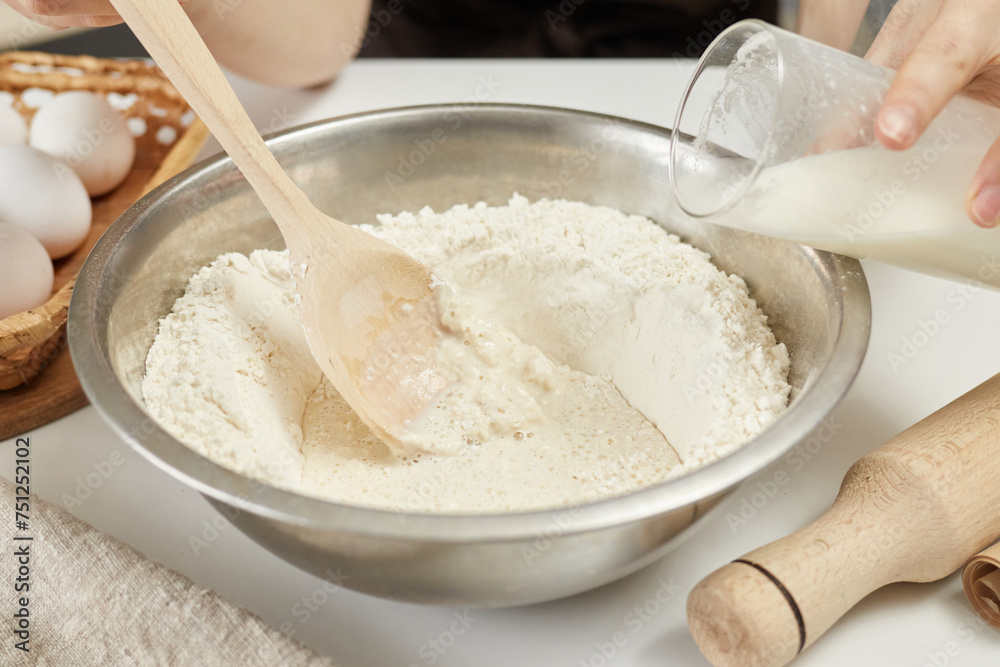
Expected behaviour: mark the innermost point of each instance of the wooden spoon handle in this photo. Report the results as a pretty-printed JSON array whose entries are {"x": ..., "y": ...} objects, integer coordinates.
[
  {"x": 171, "y": 39},
  {"x": 916, "y": 509}
]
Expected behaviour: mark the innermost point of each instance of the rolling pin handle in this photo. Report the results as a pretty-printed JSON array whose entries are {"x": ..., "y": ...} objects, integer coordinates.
[{"x": 916, "y": 509}]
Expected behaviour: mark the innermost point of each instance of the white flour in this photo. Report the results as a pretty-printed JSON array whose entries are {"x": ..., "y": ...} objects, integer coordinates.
[{"x": 609, "y": 295}]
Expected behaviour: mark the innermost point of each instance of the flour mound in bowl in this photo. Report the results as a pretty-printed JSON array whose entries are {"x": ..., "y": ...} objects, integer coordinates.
[{"x": 645, "y": 360}]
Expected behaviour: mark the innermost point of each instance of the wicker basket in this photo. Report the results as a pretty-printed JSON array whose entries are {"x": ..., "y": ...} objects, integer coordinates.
[{"x": 168, "y": 137}]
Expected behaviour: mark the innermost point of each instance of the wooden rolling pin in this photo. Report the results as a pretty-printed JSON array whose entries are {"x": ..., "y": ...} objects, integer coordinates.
[
  {"x": 916, "y": 509},
  {"x": 981, "y": 581}
]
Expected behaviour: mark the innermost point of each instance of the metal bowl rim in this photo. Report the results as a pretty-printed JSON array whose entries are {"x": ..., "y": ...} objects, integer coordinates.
[{"x": 130, "y": 421}]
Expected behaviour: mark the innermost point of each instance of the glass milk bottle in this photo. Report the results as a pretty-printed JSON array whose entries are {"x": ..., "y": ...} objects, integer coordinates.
[{"x": 775, "y": 135}]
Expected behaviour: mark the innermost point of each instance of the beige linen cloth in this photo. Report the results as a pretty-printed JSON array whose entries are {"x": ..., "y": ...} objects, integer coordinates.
[{"x": 96, "y": 601}]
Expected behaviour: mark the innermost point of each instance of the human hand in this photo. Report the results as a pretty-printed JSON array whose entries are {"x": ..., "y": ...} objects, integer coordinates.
[
  {"x": 832, "y": 22},
  {"x": 941, "y": 48},
  {"x": 60, "y": 14}
]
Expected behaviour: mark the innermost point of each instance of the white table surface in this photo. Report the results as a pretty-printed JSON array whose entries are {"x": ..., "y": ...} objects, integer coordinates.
[{"x": 905, "y": 624}]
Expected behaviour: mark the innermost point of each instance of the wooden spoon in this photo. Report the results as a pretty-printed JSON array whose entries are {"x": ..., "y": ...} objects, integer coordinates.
[
  {"x": 916, "y": 509},
  {"x": 368, "y": 309}
]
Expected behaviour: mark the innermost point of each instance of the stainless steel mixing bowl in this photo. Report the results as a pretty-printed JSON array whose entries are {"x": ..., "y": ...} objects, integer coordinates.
[{"x": 403, "y": 159}]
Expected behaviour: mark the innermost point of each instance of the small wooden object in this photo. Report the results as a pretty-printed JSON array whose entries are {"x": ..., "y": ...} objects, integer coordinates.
[
  {"x": 914, "y": 510},
  {"x": 981, "y": 580},
  {"x": 368, "y": 309},
  {"x": 35, "y": 369}
]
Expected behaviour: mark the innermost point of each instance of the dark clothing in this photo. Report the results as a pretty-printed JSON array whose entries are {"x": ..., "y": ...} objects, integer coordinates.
[{"x": 556, "y": 28}]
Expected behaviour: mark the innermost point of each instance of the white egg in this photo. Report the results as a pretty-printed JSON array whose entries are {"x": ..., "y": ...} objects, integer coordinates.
[
  {"x": 44, "y": 197},
  {"x": 86, "y": 133},
  {"x": 25, "y": 271},
  {"x": 13, "y": 129}
]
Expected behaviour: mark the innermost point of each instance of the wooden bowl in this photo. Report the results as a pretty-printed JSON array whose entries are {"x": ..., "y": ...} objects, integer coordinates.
[{"x": 37, "y": 382}]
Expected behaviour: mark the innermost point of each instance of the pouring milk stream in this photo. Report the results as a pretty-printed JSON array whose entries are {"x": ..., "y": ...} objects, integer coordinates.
[{"x": 776, "y": 136}]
